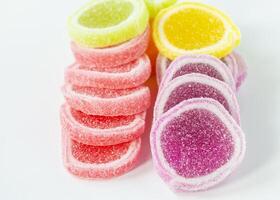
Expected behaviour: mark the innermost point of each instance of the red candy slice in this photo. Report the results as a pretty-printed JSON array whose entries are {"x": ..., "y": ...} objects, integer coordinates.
[
  {"x": 196, "y": 86},
  {"x": 196, "y": 145},
  {"x": 101, "y": 130},
  {"x": 112, "y": 56},
  {"x": 129, "y": 75},
  {"x": 107, "y": 102},
  {"x": 92, "y": 162}
]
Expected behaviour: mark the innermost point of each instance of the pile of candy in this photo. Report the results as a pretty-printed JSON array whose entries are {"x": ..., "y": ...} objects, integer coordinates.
[
  {"x": 106, "y": 99},
  {"x": 196, "y": 138}
]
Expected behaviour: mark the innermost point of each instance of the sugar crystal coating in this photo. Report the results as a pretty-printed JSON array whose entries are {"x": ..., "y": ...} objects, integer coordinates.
[
  {"x": 196, "y": 143},
  {"x": 194, "y": 90}
]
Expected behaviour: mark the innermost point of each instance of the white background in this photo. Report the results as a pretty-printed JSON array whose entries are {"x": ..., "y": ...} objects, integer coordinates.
[{"x": 34, "y": 49}]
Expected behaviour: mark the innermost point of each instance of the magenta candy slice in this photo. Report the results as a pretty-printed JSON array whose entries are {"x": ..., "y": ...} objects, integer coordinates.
[
  {"x": 238, "y": 66},
  {"x": 203, "y": 64},
  {"x": 112, "y": 56},
  {"x": 101, "y": 130},
  {"x": 196, "y": 145},
  {"x": 107, "y": 102},
  {"x": 99, "y": 162},
  {"x": 129, "y": 75},
  {"x": 196, "y": 86}
]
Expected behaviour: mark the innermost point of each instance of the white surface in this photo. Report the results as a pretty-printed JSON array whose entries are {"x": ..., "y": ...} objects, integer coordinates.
[{"x": 34, "y": 50}]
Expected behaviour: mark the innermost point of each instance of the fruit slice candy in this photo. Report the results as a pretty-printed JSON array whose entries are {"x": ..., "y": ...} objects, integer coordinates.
[
  {"x": 155, "y": 6},
  {"x": 196, "y": 86},
  {"x": 104, "y": 23},
  {"x": 162, "y": 63},
  {"x": 196, "y": 145},
  {"x": 107, "y": 102},
  {"x": 203, "y": 64},
  {"x": 194, "y": 28},
  {"x": 111, "y": 56},
  {"x": 238, "y": 66},
  {"x": 101, "y": 130},
  {"x": 92, "y": 162},
  {"x": 127, "y": 76}
]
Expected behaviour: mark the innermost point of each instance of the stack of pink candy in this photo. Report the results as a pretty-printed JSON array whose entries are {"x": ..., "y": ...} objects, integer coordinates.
[
  {"x": 106, "y": 102},
  {"x": 196, "y": 139}
]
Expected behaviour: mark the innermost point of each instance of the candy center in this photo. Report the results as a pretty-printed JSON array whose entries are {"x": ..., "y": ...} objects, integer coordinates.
[
  {"x": 98, "y": 154},
  {"x": 201, "y": 68},
  {"x": 194, "y": 90},
  {"x": 106, "y": 14},
  {"x": 193, "y": 28},
  {"x": 101, "y": 122},
  {"x": 196, "y": 143}
]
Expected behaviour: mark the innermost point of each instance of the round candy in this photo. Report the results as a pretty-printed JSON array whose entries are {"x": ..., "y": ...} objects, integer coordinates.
[
  {"x": 196, "y": 86},
  {"x": 155, "y": 6},
  {"x": 112, "y": 56},
  {"x": 238, "y": 66},
  {"x": 99, "y": 162},
  {"x": 162, "y": 63},
  {"x": 194, "y": 28},
  {"x": 104, "y": 23},
  {"x": 107, "y": 102},
  {"x": 101, "y": 130},
  {"x": 129, "y": 75},
  {"x": 196, "y": 145},
  {"x": 203, "y": 64}
]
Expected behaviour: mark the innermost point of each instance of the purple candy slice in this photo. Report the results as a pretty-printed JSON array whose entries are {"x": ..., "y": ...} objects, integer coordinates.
[
  {"x": 203, "y": 64},
  {"x": 196, "y": 86},
  {"x": 161, "y": 65},
  {"x": 196, "y": 144}
]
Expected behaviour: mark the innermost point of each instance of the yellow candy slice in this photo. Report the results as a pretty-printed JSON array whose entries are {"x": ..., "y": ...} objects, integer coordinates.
[
  {"x": 103, "y": 23},
  {"x": 194, "y": 28}
]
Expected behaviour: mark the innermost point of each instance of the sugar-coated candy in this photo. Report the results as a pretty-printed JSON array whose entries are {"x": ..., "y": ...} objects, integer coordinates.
[
  {"x": 196, "y": 86},
  {"x": 99, "y": 162},
  {"x": 129, "y": 75},
  {"x": 101, "y": 130},
  {"x": 104, "y": 23},
  {"x": 107, "y": 102},
  {"x": 238, "y": 66},
  {"x": 113, "y": 56},
  {"x": 194, "y": 28},
  {"x": 162, "y": 63},
  {"x": 155, "y": 6},
  {"x": 196, "y": 145},
  {"x": 203, "y": 64}
]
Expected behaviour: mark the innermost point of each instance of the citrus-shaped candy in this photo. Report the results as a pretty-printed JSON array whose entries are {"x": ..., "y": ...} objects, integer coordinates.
[
  {"x": 194, "y": 28},
  {"x": 129, "y": 75},
  {"x": 196, "y": 145},
  {"x": 101, "y": 130},
  {"x": 107, "y": 102},
  {"x": 112, "y": 56},
  {"x": 103, "y": 23},
  {"x": 156, "y": 6},
  {"x": 99, "y": 162}
]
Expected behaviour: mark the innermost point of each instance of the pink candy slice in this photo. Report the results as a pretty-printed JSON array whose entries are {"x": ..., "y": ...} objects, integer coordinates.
[
  {"x": 196, "y": 86},
  {"x": 101, "y": 130},
  {"x": 196, "y": 145},
  {"x": 112, "y": 56},
  {"x": 203, "y": 64},
  {"x": 129, "y": 75},
  {"x": 107, "y": 102},
  {"x": 91, "y": 162},
  {"x": 238, "y": 66}
]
